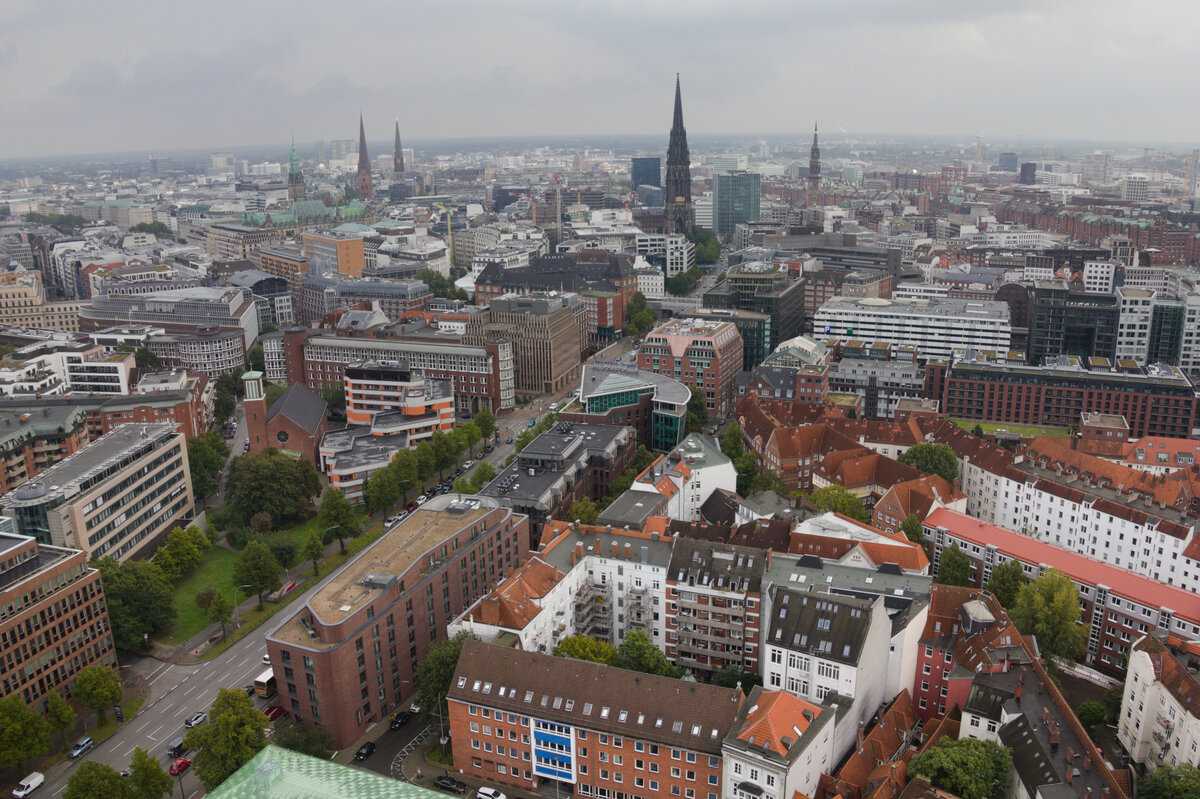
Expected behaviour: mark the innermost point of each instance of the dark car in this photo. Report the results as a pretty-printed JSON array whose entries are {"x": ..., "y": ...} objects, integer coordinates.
[
  {"x": 399, "y": 720},
  {"x": 508, "y": 440},
  {"x": 410, "y": 507},
  {"x": 489, "y": 448},
  {"x": 448, "y": 783},
  {"x": 249, "y": 689},
  {"x": 365, "y": 751}
]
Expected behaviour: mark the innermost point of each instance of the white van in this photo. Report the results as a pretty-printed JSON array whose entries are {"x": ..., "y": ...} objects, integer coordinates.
[{"x": 28, "y": 785}]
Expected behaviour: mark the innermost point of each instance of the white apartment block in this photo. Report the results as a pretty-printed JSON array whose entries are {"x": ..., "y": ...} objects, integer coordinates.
[
  {"x": 1011, "y": 237},
  {"x": 651, "y": 282},
  {"x": 778, "y": 747},
  {"x": 1133, "y": 325},
  {"x": 935, "y": 327},
  {"x": 1099, "y": 276},
  {"x": 673, "y": 251},
  {"x": 1160, "y": 709},
  {"x": 687, "y": 476}
]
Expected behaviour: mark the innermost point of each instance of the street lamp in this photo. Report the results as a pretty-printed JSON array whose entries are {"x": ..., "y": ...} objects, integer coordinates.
[{"x": 233, "y": 599}]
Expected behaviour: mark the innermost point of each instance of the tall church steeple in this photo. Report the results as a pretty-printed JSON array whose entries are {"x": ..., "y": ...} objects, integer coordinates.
[
  {"x": 398, "y": 155},
  {"x": 364, "y": 163},
  {"x": 677, "y": 212},
  {"x": 296, "y": 188},
  {"x": 814, "y": 170}
]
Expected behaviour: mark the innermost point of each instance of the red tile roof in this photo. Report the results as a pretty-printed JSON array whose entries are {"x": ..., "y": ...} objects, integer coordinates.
[
  {"x": 868, "y": 773},
  {"x": 777, "y": 720},
  {"x": 1125, "y": 584},
  {"x": 1172, "y": 674}
]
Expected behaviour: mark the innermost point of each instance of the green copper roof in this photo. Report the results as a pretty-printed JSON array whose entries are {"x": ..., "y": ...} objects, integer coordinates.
[
  {"x": 351, "y": 227},
  {"x": 275, "y": 773}
]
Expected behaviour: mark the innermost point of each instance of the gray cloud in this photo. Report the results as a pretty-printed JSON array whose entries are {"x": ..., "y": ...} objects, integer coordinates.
[{"x": 146, "y": 75}]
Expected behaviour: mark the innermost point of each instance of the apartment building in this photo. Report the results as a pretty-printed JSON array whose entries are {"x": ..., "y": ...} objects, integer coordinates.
[
  {"x": 528, "y": 720},
  {"x": 687, "y": 476},
  {"x": 33, "y": 437},
  {"x": 284, "y": 262},
  {"x": 331, "y": 252},
  {"x": 319, "y": 295},
  {"x": 1119, "y": 605},
  {"x": 117, "y": 497},
  {"x": 765, "y": 287},
  {"x": 53, "y": 620},
  {"x": 229, "y": 241},
  {"x": 935, "y": 327},
  {"x": 545, "y": 332},
  {"x": 700, "y": 353},
  {"x": 671, "y": 253},
  {"x": 779, "y": 746},
  {"x": 23, "y": 302},
  {"x": 378, "y": 614},
  {"x": 1160, "y": 707},
  {"x": 654, "y": 405}
]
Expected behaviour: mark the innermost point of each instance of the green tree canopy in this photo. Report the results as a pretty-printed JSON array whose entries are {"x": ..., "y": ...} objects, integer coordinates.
[
  {"x": 746, "y": 466},
  {"x": 316, "y": 742},
  {"x": 967, "y": 767},
  {"x": 1091, "y": 713},
  {"x": 767, "y": 480},
  {"x": 638, "y": 653},
  {"x": 731, "y": 441},
  {"x": 1171, "y": 782},
  {"x": 462, "y": 486},
  {"x": 59, "y": 715},
  {"x": 140, "y": 600},
  {"x": 256, "y": 358},
  {"x": 584, "y": 510},
  {"x": 1006, "y": 581},
  {"x": 236, "y": 731},
  {"x": 99, "y": 688},
  {"x": 146, "y": 779},
  {"x": 206, "y": 459},
  {"x": 936, "y": 459},
  {"x": 219, "y": 610},
  {"x": 271, "y": 482},
  {"x": 486, "y": 423},
  {"x": 313, "y": 552},
  {"x": 223, "y": 404},
  {"x": 436, "y": 671},
  {"x": 426, "y": 461},
  {"x": 1048, "y": 608},
  {"x": 334, "y": 395},
  {"x": 584, "y": 647},
  {"x": 954, "y": 567},
  {"x": 143, "y": 358},
  {"x": 708, "y": 248},
  {"x": 1113, "y": 699},
  {"x": 837, "y": 499},
  {"x": 23, "y": 733},
  {"x": 642, "y": 322},
  {"x": 94, "y": 780},
  {"x": 697, "y": 414},
  {"x": 912, "y": 529},
  {"x": 157, "y": 228},
  {"x": 405, "y": 467},
  {"x": 484, "y": 473},
  {"x": 257, "y": 568},
  {"x": 336, "y": 518},
  {"x": 441, "y": 286},
  {"x": 382, "y": 490}
]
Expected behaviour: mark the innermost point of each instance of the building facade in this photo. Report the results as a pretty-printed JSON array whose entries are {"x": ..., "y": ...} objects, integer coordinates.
[{"x": 699, "y": 353}]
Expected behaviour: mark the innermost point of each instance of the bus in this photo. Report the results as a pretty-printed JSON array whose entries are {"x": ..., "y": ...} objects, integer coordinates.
[{"x": 264, "y": 685}]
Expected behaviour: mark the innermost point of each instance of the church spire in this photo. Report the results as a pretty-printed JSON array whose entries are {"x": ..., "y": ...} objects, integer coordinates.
[
  {"x": 296, "y": 188},
  {"x": 677, "y": 211},
  {"x": 398, "y": 155},
  {"x": 364, "y": 163},
  {"x": 814, "y": 169}
]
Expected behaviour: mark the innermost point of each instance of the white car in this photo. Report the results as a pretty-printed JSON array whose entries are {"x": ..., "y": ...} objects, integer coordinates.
[
  {"x": 468, "y": 464},
  {"x": 195, "y": 720},
  {"x": 490, "y": 793},
  {"x": 266, "y": 660},
  {"x": 421, "y": 500}
]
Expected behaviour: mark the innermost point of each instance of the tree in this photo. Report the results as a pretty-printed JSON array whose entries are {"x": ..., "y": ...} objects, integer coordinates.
[
  {"x": 139, "y": 598},
  {"x": 697, "y": 414},
  {"x": 236, "y": 731},
  {"x": 444, "y": 451},
  {"x": 441, "y": 286},
  {"x": 183, "y": 548},
  {"x": 484, "y": 473},
  {"x": 642, "y": 322},
  {"x": 334, "y": 395},
  {"x": 405, "y": 467},
  {"x": 1171, "y": 782},
  {"x": 337, "y": 518},
  {"x": 486, "y": 423},
  {"x": 93, "y": 780},
  {"x": 731, "y": 441},
  {"x": 1091, "y": 713},
  {"x": 164, "y": 560},
  {"x": 936, "y": 459},
  {"x": 146, "y": 779},
  {"x": 977, "y": 431},
  {"x": 1113, "y": 699},
  {"x": 223, "y": 404},
  {"x": 1048, "y": 608},
  {"x": 256, "y": 358},
  {"x": 838, "y": 499},
  {"x": 257, "y": 568},
  {"x": 638, "y": 653},
  {"x": 23, "y": 733},
  {"x": 729, "y": 677},
  {"x": 746, "y": 466},
  {"x": 99, "y": 688},
  {"x": 469, "y": 435},
  {"x": 767, "y": 481},
  {"x": 272, "y": 483},
  {"x": 157, "y": 228},
  {"x": 272, "y": 392},
  {"x": 708, "y": 248},
  {"x": 1006, "y": 582},
  {"x": 316, "y": 742},
  {"x": 261, "y": 523},
  {"x": 967, "y": 767},
  {"x": 313, "y": 551},
  {"x": 912, "y": 529},
  {"x": 954, "y": 568},
  {"x": 584, "y": 647},
  {"x": 583, "y": 510},
  {"x": 462, "y": 486},
  {"x": 382, "y": 490},
  {"x": 59, "y": 715},
  {"x": 436, "y": 671},
  {"x": 426, "y": 461},
  {"x": 143, "y": 358},
  {"x": 219, "y": 610},
  {"x": 206, "y": 459}
]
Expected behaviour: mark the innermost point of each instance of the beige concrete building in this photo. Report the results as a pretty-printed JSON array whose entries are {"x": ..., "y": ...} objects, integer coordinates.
[
  {"x": 117, "y": 497},
  {"x": 23, "y": 303},
  {"x": 546, "y": 334},
  {"x": 228, "y": 241}
]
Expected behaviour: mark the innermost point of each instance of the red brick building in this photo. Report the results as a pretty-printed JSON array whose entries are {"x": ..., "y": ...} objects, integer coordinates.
[
  {"x": 56, "y": 622},
  {"x": 33, "y": 438},
  {"x": 348, "y": 657},
  {"x": 527, "y": 720},
  {"x": 700, "y": 353},
  {"x": 293, "y": 423}
]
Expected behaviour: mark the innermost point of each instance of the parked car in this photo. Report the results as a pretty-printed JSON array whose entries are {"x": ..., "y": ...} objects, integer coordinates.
[
  {"x": 532, "y": 423},
  {"x": 401, "y": 516},
  {"x": 509, "y": 440},
  {"x": 468, "y": 464},
  {"x": 448, "y": 783},
  {"x": 365, "y": 751},
  {"x": 195, "y": 719},
  {"x": 249, "y": 689},
  {"x": 275, "y": 712},
  {"x": 266, "y": 660},
  {"x": 399, "y": 720},
  {"x": 489, "y": 448},
  {"x": 391, "y": 520},
  {"x": 28, "y": 785},
  {"x": 414, "y": 708},
  {"x": 81, "y": 747},
  {"x": 179, "y": 766},
  {"x": 412, "y": 506},
  {"x": 421, "y": 500},
  {"x": 490, "y": 793}
]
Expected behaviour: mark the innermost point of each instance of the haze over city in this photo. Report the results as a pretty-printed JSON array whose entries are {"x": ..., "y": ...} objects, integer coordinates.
[{"x": 80, "y": 78}]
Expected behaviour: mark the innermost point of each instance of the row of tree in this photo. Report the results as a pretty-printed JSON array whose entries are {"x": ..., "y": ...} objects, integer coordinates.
[
  {"x": 640, "y": 317},
  {"x": 206, "y": 458},
  {"x": 25, "y": 733},
  {"x": 708, "y": 248},
  {"x": 685, "y": 282},
  {"x": 441, "y": 286},
  {"x": 636, "y": 653}
]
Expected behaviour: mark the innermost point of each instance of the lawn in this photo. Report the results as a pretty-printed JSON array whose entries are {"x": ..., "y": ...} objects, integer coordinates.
[
  {"x": 215, "y": 571},
  {"x": 1023, "y": 430}
]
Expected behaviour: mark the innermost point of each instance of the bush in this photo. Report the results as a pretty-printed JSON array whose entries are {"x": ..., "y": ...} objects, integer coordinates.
[
  {"x": 283, "y": 551},
  {"x": 237, "y": 537}
]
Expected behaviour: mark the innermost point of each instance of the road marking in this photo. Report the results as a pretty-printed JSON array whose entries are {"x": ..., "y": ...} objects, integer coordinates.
[{"x": 154, "y": 734}]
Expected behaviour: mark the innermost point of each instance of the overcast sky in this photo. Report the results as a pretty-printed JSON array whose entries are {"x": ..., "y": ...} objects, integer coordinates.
[{"x": 141, "y": 75}]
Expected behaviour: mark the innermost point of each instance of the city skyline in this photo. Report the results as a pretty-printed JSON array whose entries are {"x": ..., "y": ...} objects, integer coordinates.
[{"x": 85, "y": 81}]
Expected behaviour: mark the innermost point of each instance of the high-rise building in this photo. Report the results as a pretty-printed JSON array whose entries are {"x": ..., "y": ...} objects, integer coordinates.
[
  {"x": 1063, "y": 321},
  {"x": 736, "y": 198},
  {"x": 645, "y": 171},
  {"x": 677, "y": 208},
  {"x": 364, "y": 163},
  {"x": 398, "y": 156},
  {"x": 1007, "y": 162},
  {"x": 1028, "y": 175},
  {"x": 1136, "y": 188},
  {"x": 814, "y": 171},
  {"x": 296, "y": 189}
]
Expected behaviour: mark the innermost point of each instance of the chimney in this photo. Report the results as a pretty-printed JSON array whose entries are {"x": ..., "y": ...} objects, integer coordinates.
[
  {"x": 578, "y": 549},
  {"x": 629, "y": 552},
  {"x": 615, "y": 547},
  {"x": 860, "y": 735}
]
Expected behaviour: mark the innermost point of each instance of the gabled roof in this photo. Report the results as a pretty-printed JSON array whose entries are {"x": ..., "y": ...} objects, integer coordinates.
[
  {"x": 301, "y": 405},
  {"x": 1172, "y": 674},
  {"x": 868, "y": 773},
  {"x": 775, "y": 721}
]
